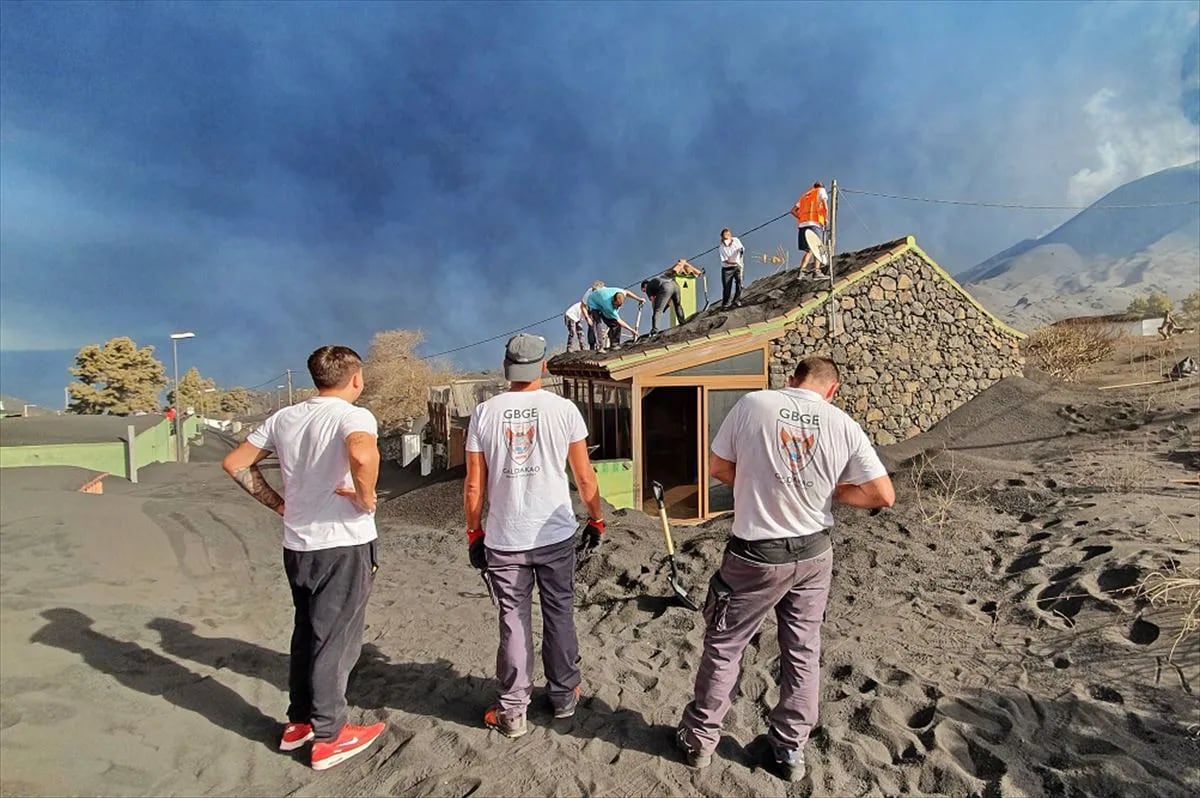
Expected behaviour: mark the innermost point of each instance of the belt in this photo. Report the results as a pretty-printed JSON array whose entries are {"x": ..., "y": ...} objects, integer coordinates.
[{"x": 781, "y": 550}]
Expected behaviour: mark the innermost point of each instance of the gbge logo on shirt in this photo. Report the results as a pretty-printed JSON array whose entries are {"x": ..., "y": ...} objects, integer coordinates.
[
  {"x": 796, "y": 434},
  {"x": 519, "y": 428}
]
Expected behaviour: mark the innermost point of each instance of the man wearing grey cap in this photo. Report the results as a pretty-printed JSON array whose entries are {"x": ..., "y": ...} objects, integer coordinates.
[{"x": 519, "y": 444}]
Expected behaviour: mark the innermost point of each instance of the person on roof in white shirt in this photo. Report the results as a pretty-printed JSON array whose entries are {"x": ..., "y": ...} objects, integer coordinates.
[
  {"x": 733, "y": 267},
  {"x": 573, "y": 318}
]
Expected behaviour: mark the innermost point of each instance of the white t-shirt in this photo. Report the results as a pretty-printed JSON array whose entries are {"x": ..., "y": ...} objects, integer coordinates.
[
  {"x": 735, "y": 252},
  {"x": 575, "y": 311},
  {"x": 792, "y": 448},
  {"x": 524, "y": 437},
  {"x": 310, "y": 441}
]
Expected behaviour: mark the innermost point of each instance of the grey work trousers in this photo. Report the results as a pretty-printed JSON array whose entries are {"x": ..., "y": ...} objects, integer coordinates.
[
  {"x": 574, "y": 333},
  {"x": 739, "y": 597},
  {"x": 512, "y": 575},
  {"x": 330, "y": 588}
]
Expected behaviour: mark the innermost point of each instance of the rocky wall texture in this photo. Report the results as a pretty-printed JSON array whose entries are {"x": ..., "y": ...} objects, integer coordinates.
[{"x": 910, "y": 346}]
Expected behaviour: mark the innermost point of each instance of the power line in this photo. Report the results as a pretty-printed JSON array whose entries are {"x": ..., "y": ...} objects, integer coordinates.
[
  {"x": 870, "y": 233},
  {"x": 864, "y": 192},
  {"x": 1019, "y": 206},
  {"x": 265, "y": 383}
]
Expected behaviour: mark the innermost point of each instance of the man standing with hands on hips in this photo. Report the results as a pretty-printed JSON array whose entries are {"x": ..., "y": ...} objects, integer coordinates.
[
  {"x": 329, "y": 460},
  {"x": 519, "y": 444},
  {"x": 789, "y": 455}
]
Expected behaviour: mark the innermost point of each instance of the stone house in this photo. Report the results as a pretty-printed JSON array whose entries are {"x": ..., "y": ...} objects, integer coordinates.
[{"x": 912, "y": 343}]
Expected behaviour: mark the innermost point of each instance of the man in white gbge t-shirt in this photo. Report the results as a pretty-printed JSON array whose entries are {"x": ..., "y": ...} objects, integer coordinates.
[
  {"x": 789, "y": 455},
  {"x": 329, "y": 460},
  {"x": 519, "y": 445}
]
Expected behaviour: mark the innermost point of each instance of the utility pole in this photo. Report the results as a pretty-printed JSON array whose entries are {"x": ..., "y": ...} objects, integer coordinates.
[
  {"x": 289, "y": 373},
  {"x": 833, "y": 209},
  {"x": 66, "y": 397},
  {"x": 175, "y": 339}
]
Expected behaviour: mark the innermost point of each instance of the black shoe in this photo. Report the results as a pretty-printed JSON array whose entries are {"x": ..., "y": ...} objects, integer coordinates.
[{"x": 786, "y": 764}]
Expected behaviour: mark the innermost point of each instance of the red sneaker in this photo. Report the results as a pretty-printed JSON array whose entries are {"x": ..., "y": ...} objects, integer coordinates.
[
  {"x": 509, "y": 727},
  {"x": 295, "y": 735},
  {"x": 350, "y": 741}
]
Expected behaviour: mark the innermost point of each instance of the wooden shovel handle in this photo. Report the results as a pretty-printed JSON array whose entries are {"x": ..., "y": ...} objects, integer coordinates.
[{"x": 662, "y": 515}]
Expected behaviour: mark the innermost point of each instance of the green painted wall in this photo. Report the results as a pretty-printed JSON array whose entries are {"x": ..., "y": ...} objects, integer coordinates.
[
  {"x": 688, "y": 286},
  {"x": 155, "y": 445},
  {"x": 616, "y": 482},
  {"x": 107, "y": 457}
]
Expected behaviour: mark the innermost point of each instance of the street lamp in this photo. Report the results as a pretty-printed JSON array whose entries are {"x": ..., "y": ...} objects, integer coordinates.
[{"x": 175, "y": 339}]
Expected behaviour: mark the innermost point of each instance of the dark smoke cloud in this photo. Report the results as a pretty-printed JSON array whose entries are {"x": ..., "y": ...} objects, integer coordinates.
[{"x": 277, "y": 176}]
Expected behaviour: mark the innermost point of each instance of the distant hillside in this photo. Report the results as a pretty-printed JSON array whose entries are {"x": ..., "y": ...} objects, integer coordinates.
[{"x": 1100, "y": 259}]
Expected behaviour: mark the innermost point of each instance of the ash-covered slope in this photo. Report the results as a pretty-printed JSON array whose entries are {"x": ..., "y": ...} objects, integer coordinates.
[{"x": 1103, "y": 257}]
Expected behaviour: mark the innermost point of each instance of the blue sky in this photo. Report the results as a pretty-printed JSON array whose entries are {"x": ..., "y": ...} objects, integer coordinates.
[{"x": 278, "y": 176}]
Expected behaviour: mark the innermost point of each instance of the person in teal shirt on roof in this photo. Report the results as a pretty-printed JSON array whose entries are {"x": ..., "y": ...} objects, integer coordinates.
[{"x": 604, "y": 305}]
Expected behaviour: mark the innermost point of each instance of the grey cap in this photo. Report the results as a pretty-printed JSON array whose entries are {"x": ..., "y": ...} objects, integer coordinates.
[{"x": 523, "y": 358}]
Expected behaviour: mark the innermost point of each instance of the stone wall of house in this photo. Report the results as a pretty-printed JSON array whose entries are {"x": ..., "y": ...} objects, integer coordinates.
[{"x": 910, "y": 347}]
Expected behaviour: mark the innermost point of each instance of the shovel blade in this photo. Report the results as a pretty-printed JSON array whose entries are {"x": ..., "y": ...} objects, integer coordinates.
[{"x": 682, "y": 595}]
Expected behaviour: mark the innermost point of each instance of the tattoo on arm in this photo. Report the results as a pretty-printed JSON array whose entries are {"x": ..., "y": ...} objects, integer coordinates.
[{"x": 253, "y": 482}]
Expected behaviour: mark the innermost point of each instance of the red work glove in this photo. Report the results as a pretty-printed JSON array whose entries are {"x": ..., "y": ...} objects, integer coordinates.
[
  {"x": 475, "y": 549},
  {"x": 591, "y": 538}
]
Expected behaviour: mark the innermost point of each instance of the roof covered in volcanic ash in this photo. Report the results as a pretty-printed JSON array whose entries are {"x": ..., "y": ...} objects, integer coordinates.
[{"x": 767, "y": 304}]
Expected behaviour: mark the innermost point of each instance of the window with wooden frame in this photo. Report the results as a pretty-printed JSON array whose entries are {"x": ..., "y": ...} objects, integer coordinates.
[{"x": 608, "y": 411}]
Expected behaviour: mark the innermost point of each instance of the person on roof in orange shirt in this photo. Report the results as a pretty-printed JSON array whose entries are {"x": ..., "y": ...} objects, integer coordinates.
[{"x": 811, "y": 212}]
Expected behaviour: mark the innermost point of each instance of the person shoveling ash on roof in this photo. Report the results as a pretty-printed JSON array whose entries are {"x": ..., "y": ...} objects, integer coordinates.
[
  {"x": 587, "y": 313},
  {"x": 328, "y": 456},
  {"x": 518, "y": 446},
  {"x": 789, "y": 455},
  {"x": 811, "y": 212},
  {"x": 575, "y": 316},
  {"x": 605, "y": 307},
  {"x": 663, "y": 291}
]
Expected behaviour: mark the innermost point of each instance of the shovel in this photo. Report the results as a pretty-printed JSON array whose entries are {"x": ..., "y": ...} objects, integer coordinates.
[
  {"x": 704, "y": 282},
  {"x": 680, "y": 593}
]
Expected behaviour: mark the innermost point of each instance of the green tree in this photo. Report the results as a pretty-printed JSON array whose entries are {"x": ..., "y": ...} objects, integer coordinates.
[
  {"x": 1151, "y": 305},
  {"x": 196, "y": 392},
  {"x": 235, "y": 401},
  {"x": 1189, "y": 308},
  {"x": 117, "y": 378}
]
